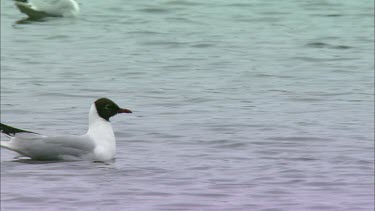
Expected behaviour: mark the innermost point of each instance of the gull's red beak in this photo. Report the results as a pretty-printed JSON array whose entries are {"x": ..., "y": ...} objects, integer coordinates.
[{"x": 124, "y": 110}]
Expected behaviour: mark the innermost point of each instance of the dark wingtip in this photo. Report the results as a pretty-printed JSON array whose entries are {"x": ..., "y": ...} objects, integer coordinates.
[{"x": 11, "y": 131}]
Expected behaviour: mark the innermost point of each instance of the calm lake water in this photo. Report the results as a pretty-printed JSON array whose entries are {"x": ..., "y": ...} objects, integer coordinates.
[{"x": 238, "y": 105}]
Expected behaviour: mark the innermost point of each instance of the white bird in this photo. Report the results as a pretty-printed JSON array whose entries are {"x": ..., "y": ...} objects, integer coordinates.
[
  {"x": 98, "y": 144},
  {"x": 37, "y": 9}
]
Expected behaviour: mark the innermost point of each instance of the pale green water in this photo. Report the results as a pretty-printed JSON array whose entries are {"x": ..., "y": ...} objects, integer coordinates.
[{"x": 238, "y": 105}]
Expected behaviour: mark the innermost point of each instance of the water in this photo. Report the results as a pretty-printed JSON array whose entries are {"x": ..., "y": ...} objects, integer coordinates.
[{"x": 238, "y": 105}]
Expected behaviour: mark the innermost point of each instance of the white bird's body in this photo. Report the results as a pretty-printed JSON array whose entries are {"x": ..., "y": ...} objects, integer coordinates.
[
  {"x": 101, "y": 133},
  {"x": 98, "y": 144},
  {"x": 45, "y": 8}
]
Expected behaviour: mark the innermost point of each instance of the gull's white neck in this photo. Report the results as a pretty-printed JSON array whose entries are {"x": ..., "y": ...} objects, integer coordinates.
[
  {"x": 94, "y": 117},
  {"x": 100, "y": 130}
]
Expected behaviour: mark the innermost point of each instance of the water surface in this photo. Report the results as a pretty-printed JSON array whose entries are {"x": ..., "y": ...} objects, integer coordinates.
[{"x": 238, "y": 105}]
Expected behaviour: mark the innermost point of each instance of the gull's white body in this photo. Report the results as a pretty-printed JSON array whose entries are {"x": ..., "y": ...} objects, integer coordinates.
[
  {"x": 97, "y": 144},
  {"x": 45, "y": 8}
]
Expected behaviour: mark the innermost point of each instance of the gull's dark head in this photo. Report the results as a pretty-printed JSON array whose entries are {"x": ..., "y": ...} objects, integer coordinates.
[{"x": 106, "y": 108}]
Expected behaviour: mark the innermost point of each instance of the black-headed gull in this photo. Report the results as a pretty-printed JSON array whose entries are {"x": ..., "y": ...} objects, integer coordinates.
[
  {"x": 36, "y": 9},
  {"x": 98, "y": 144}
]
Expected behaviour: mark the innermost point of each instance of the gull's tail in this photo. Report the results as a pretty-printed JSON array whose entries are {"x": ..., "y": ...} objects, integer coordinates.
[
  {"x": 11, "y": 131},
  {"x": 30, "y": 10}
]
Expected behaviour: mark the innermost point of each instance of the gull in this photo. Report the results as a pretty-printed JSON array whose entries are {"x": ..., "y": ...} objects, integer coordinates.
[
  {"x": 37, "y": 9},
  {"x": 98, "y": 144}
]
